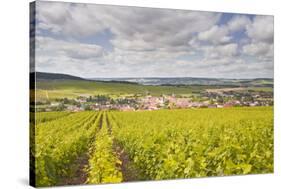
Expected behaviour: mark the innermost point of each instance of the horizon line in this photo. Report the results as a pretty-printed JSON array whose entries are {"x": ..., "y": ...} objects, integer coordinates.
[{"x": 147, "y": 77}]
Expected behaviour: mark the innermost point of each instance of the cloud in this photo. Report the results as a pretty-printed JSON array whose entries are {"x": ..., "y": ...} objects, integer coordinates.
[
  {"x": 215, "y": 35},
  {"x": 262, "y": 51},
  {"x": 67, "y": 19},
  {"x": 260, "y": 32},
  {"x": 239, "y": 22},
  {"x": 261, "y": 29},
  {"x": 53, "y": 55},
  {"x": 48, "y": 46},
  {"x": 225, "y": 67},
  {"x": 157, "y": 29},
  {"x": 83, "y": 51},
  {"x": 133, "y": 28},
  {"x": 227, "y": 50},
  {"x": 115, "y": 41}
]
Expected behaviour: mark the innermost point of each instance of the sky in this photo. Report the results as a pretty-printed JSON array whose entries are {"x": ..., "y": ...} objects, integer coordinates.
[{"x": 102, "y": 41}]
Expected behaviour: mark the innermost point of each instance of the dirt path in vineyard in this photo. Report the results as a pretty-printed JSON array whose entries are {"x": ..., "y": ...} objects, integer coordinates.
[{"x": 80, "y": 175}]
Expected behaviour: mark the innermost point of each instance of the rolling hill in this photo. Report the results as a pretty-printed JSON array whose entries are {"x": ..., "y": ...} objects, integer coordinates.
[{"x": 53, "y": 76}]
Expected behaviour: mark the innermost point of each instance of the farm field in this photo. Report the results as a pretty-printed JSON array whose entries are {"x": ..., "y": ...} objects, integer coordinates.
[
  {"x": 113, "y": 146},
  {"x": 71, "y": 89},
  {"x": 50, "y": 90}
]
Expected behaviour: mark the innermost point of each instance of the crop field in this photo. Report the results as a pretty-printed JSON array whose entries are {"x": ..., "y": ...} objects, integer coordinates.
[
  {"x": 72, "y": 89},
  {"x": 113, "y": 146},
  {"x": 50, "y": 90}
]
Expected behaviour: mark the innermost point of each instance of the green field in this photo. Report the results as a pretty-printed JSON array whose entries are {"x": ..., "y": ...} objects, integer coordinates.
[
  {"x": 72, "y": 89},
  {"x": 112, "y": 146}
]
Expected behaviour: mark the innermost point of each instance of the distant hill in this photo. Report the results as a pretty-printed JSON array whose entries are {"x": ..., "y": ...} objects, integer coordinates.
[
  {"x": 44, "y": 76},
  {"x": 54, "y": 76},
  {"x": 180, "y": 81}
]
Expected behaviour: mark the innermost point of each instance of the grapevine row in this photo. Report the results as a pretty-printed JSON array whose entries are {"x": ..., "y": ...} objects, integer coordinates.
[
  {"x": 41, "y": 117},
  {"x": 59, "y": 143},
  {"x": 103, "y": 163},
  {"x": 188, "y": 143}
]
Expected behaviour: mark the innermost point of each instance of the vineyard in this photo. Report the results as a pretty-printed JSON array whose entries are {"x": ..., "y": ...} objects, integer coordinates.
[{"x": 112, "y": 146}]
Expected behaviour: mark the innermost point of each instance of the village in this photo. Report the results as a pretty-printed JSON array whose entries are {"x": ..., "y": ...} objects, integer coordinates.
[{"x": 207, "y": 99}]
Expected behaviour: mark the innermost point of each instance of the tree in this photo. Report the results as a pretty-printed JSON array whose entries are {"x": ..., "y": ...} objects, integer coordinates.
[
  {"x": 87, "y": 107},
  {"x": 60, "y": 107}
]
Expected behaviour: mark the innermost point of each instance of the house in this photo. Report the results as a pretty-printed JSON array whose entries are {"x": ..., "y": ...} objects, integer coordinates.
[
  {"x": 212, "y": 106},
  {"x": 182, "y": 103},
  {"x": 126, "y": 108},
  {"x": 54, "y": 104},
  {"x": 254, "y": 103},
  {"x": 74, "y": 109}
]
